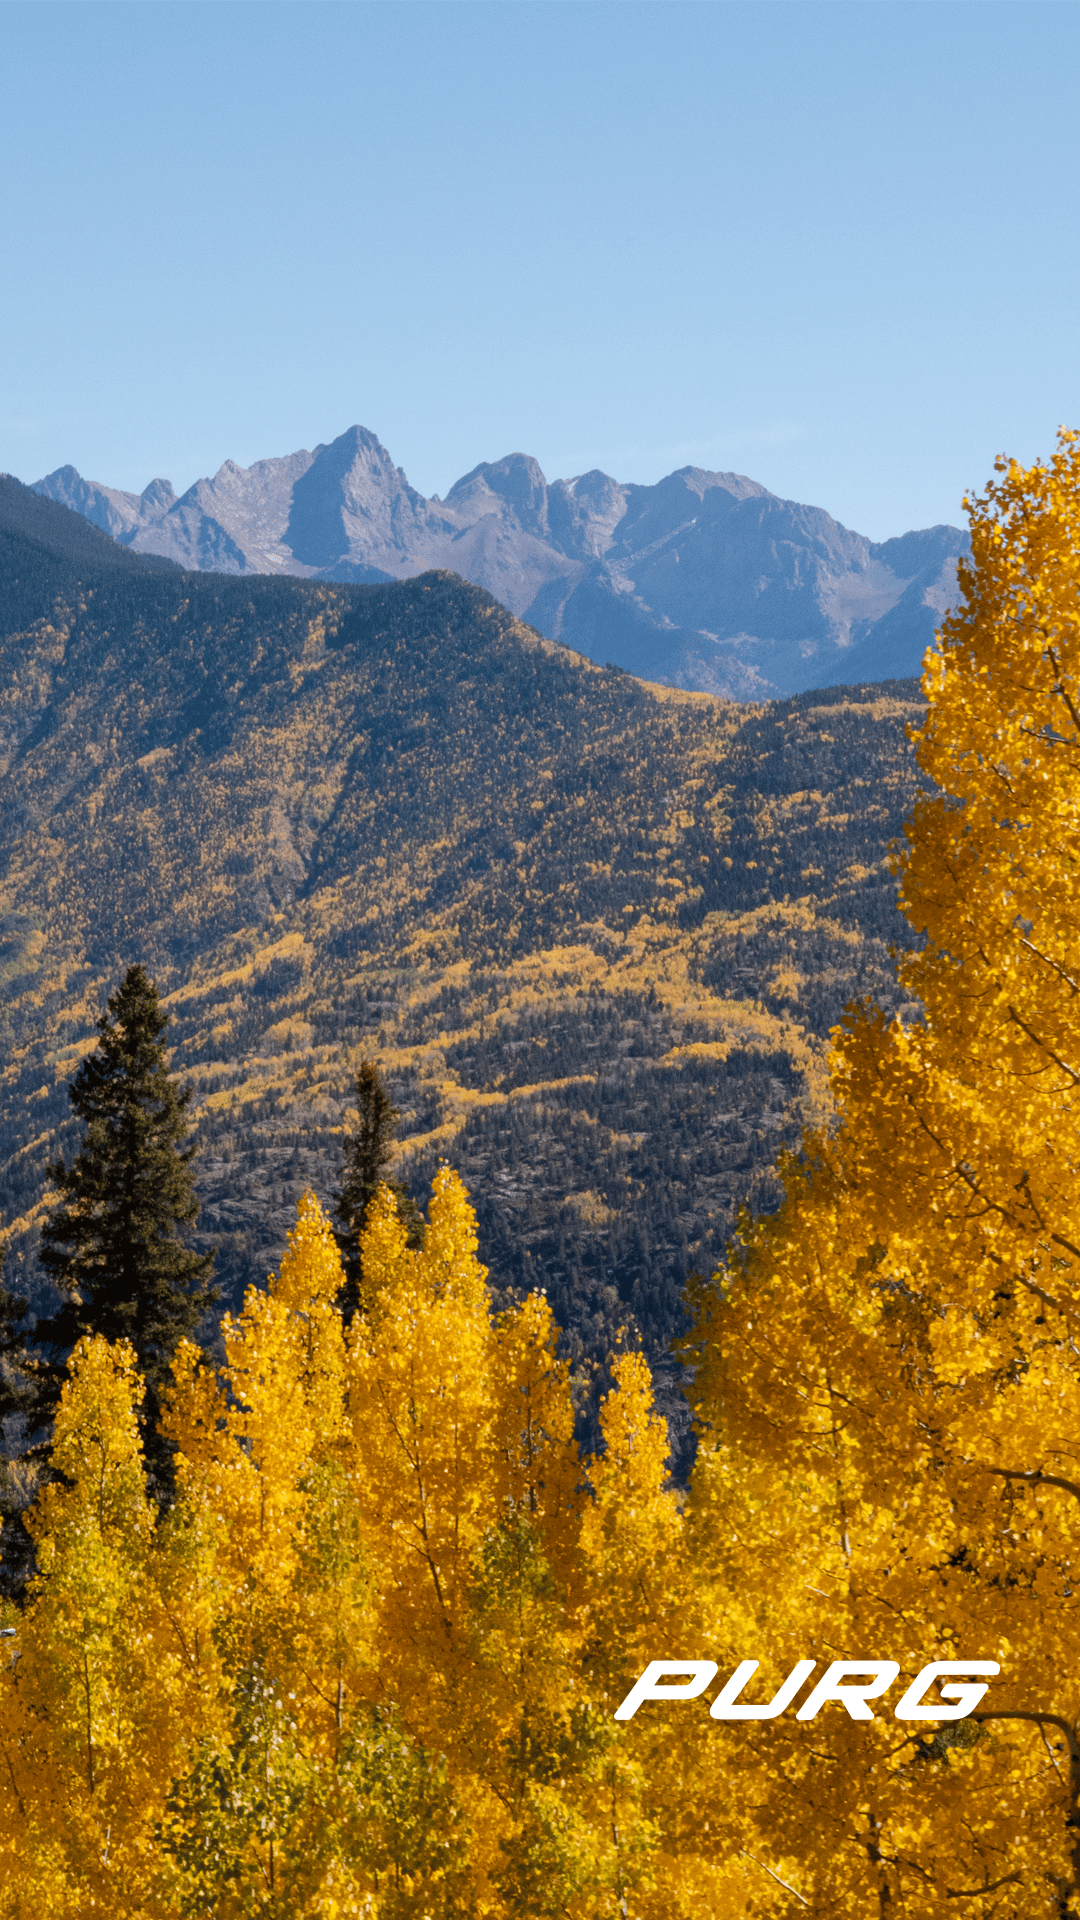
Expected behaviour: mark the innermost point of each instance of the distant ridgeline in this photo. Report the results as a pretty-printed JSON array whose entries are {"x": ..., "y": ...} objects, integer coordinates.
[
  {"x": 705, "y": 580},
  {"x": 595, "y": 931}
]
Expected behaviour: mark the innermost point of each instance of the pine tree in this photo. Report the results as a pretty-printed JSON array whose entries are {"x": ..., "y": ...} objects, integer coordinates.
[
  {"x": 19, "y": 1405},
  {"x": 115, "y": 1247},
  {"x": 368, "y": 1153},
  {"x": 16, "y": 1389}
]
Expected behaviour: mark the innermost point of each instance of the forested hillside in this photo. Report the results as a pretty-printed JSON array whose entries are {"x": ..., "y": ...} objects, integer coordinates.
[{"x": 595, "y": 931}]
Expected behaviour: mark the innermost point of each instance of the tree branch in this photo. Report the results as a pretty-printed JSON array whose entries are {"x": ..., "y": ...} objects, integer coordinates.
[
  {"x": 1045, "y": 958},
  {"x": 1037, "y": 1720},
  {"x": 1061, "y": 689},
  {"x": 1034, "y": 1477},
  {"x": 786, "y": 1884},
  {"x": 1044, "y": 1047},
  {"x": 972, "y": 1893}
]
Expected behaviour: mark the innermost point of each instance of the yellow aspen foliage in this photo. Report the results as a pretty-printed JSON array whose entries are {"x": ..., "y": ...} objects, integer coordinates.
[
  {"x": 526, "y": 1638},
  {"x": 523, "y": 1635},
  {"x": 631, "y": 1528},
  {"x": 88, "y": 1726},
  {"x": 630, "y": 1540},
  {"x": 265, "y": 1550},
  {"x": 888, "y": 1385},
  {"x": 421, "y": 1416},
  {"x": 377, "y": 1550},
  {"x": 537, "y": 1467},
  {"x": 462, "y": 1432}
]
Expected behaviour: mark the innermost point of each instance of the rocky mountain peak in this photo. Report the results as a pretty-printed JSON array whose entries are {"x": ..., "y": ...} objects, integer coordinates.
[
  {"x": 704, "y": 579},
  {"x": 159, "y": 496},
  {"x": 516, "y": 480}
]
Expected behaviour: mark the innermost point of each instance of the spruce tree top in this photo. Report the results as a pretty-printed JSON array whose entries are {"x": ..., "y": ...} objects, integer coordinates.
[
  {"x": 115, "y": 1246},
  {"x": 368, "y": 1154},
  {"x": 15, "y": 1391}
]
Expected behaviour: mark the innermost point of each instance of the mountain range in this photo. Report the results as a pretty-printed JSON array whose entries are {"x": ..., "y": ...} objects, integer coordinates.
[
  {"x": 595, "y": 931},
  {"x": 705, "y": 581}
]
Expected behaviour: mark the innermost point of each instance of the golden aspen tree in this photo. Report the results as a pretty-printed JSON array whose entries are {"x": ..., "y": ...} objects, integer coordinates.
[
  {"x": 525, "y": 1636},
  {"x": 888, "y": 1383},
  {"x": 824, "y": 1534},
  {"x": 675, "y": 1842},
  {"x": 629, "y": 1540},
  {"x": 493, "y": 1575},
  {"x": 419, "y": 1395},
  {"x": 87, "y": 1719},
  {"x": 427, "y": 1465},
  {"x": 269, "y": 1561},
  {"x": 321, "y": 1789}
]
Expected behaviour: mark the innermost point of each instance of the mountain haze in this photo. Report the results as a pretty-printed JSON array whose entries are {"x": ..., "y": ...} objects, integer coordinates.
[{"x": 705, "y": 581}]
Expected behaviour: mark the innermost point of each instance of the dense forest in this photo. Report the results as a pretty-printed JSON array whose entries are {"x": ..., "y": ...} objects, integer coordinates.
[{"x": 594, "y": 931}]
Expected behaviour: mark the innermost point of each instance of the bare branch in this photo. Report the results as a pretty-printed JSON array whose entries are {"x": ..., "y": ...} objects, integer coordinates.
[
  {"x": 1037, "y": 1720},
  {"x": 972, "y": 1893},
  {"x": 1045, "y": 1047},
  {"x": 1040, "y": 1293},
  {"x": 1050, "y": 1756},
  {"x": 1045, "y": 958},
  {"x": 1060, "y": 1241},
  {"x": 788, "y": 1888},
  {"x": 1061, "y": 689},
  {"x": 1033, "y": 1476}
]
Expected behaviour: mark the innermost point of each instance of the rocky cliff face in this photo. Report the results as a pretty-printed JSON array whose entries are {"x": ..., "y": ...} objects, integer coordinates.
[{"x": 705, "y": 581}]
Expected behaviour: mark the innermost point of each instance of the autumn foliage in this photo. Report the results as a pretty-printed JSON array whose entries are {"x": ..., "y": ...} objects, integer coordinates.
[
  {"x": 367, "y": 1661},
  {"x": 889, "y": 1379},
  {"x": 351, "y": 1671}
]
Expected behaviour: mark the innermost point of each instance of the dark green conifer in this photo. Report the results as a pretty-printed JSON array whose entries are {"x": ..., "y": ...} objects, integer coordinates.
[
  {"x": 20, "y": 1461},
  {"x": 115, "y": 1246},
  {"x": 16, "y": 1385},
  {"x": 368, "y": 1153}
]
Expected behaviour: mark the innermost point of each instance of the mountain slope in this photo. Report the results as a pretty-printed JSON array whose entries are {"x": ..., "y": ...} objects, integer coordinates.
[
  {"x": 705, "y": 581},
  {"x": 596, "y": 931}
]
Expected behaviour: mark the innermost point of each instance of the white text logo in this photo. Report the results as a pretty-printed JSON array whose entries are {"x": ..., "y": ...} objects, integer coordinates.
[{"x": 835, "y": 1684}]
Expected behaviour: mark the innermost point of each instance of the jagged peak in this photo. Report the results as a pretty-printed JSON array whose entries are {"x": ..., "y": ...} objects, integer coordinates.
[
  {"x": 504, "y": 476},
  {"x": 160, "y": 493}
]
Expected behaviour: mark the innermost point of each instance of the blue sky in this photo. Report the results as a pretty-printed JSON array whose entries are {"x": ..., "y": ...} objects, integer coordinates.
[{"x": 832, "y": 246}]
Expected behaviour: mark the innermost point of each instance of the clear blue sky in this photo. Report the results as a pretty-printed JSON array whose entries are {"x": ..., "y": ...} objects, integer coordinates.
[{"x": 836, "y": 247}]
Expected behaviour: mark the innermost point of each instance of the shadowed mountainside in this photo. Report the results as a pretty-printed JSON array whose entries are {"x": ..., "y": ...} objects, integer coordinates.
[
  {"x": 704, "y": 581},
  {"x": 594, "y": 930}
]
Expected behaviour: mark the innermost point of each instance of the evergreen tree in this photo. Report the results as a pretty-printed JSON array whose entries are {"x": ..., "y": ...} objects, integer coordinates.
[
  {"x": 114, "y": 1246},
  {"x": 19, "y": 1406},
  {"x": 368, "y": 1153},
  {"x": 16, "y": 1389}
]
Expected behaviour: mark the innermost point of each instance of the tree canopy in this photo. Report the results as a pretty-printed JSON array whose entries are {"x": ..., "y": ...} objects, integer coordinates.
[{"x": 888, "y": 1383}]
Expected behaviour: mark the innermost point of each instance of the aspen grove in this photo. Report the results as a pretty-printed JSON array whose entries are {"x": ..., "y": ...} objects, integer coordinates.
[{"x": 367, "y": 1659}]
